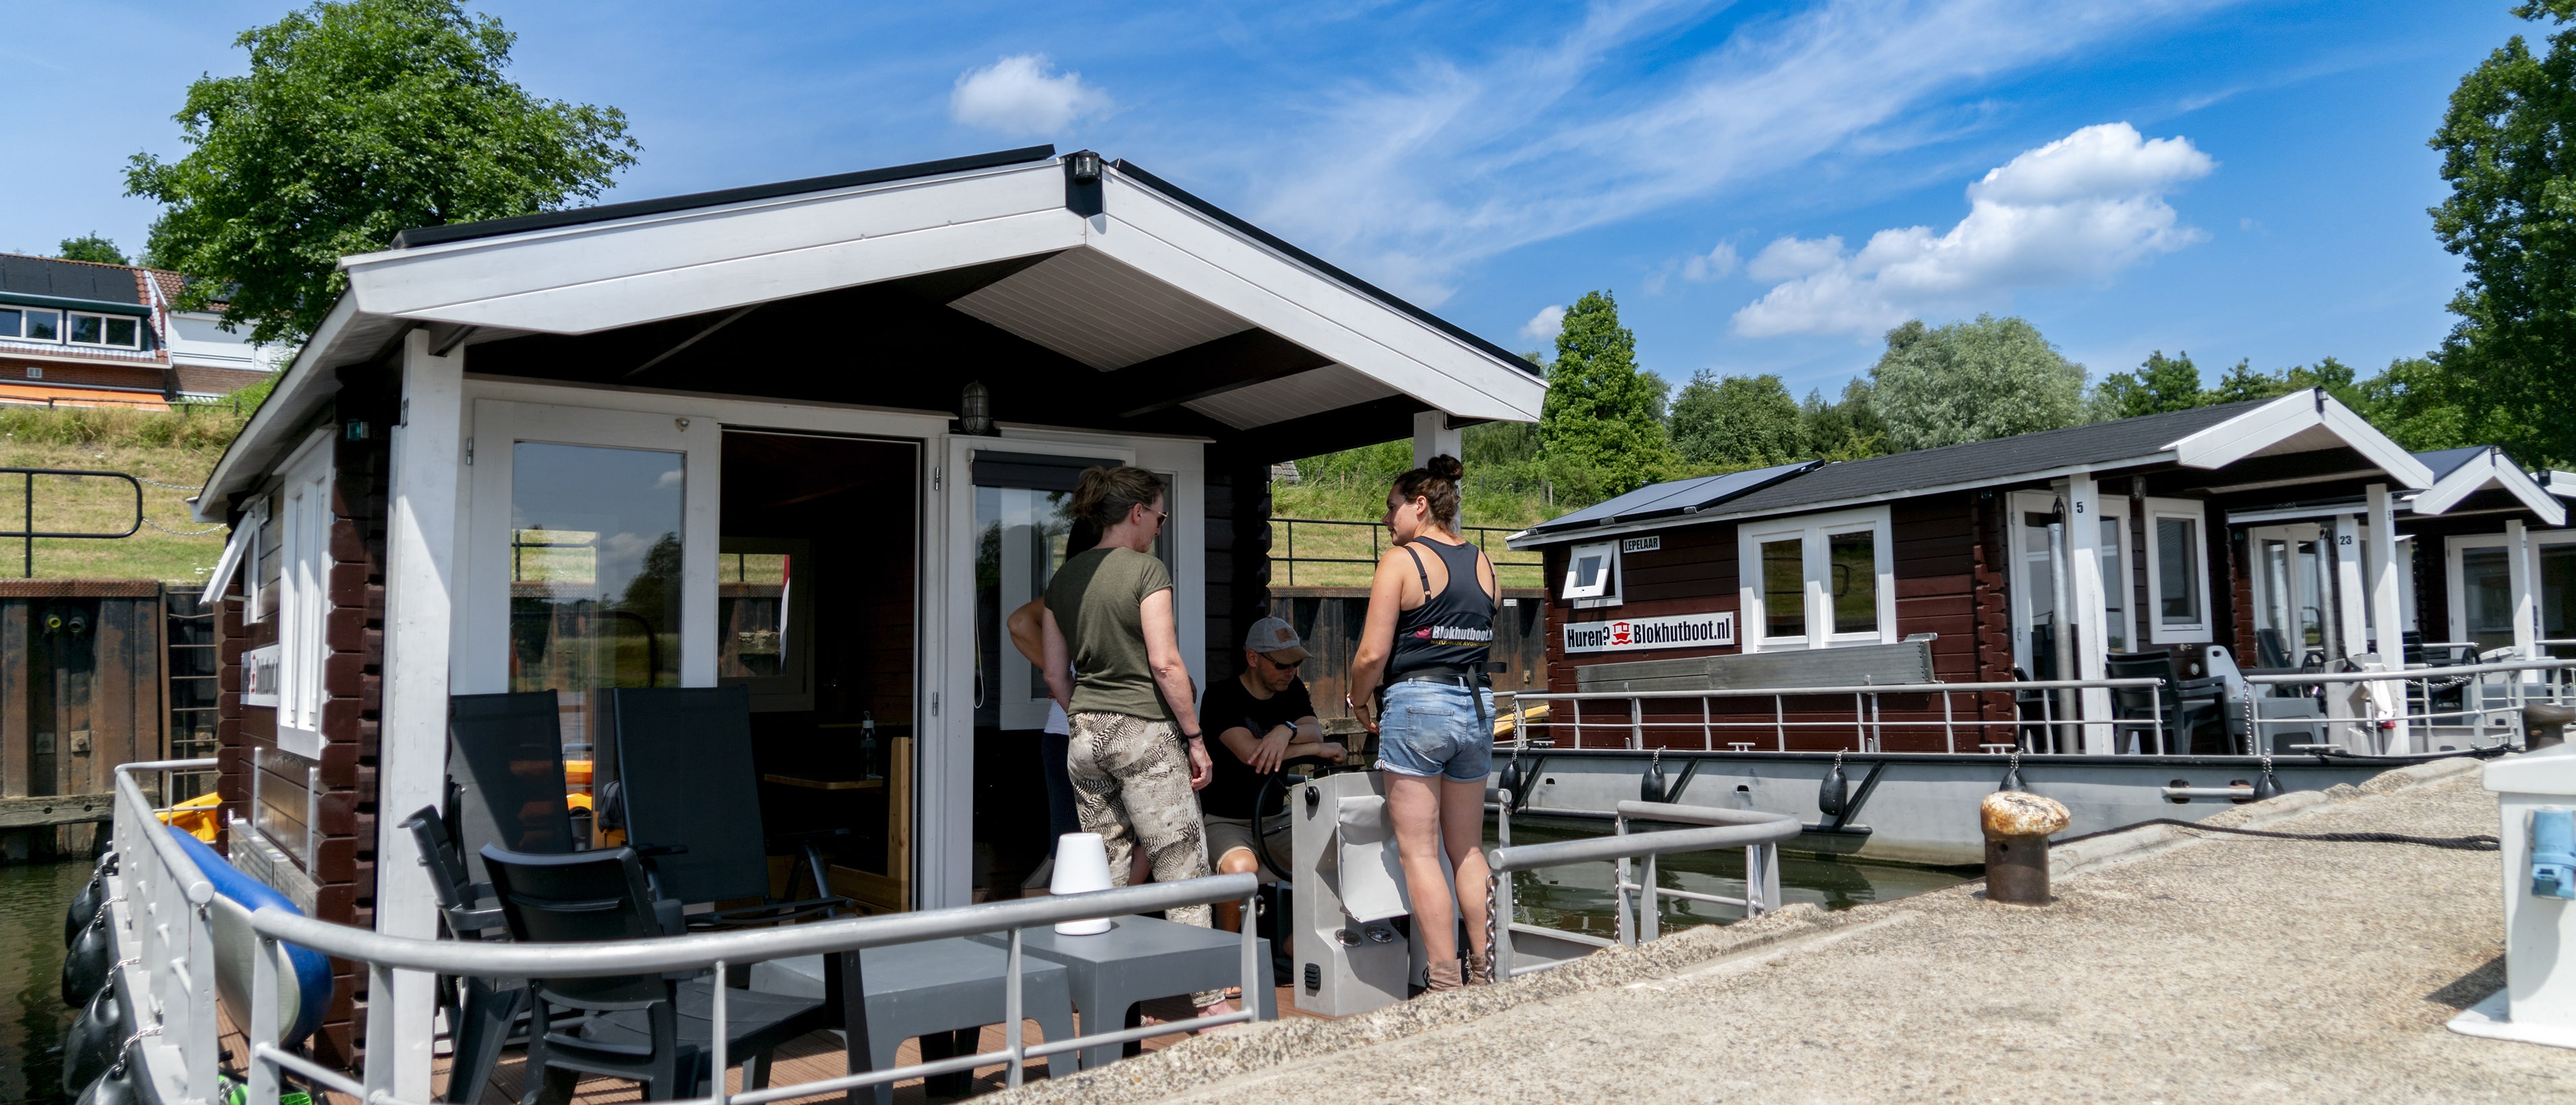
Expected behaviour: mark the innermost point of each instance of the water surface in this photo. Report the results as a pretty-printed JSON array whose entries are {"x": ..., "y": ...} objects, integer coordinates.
[
  {"x": 32, "y": 1016},
  {"x": 1578, "y": 898}
]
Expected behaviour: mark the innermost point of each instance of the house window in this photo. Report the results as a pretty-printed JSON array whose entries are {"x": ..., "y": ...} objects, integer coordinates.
[
  {"x": 1819, "y": 580},
  {"x": 31, "y": 323},
  {"x": 2177, "y": 573},
  {"x": 111, "y": 331},
  {"x": 1592, "y": 575},
  {"x": 303, "y": 579}
]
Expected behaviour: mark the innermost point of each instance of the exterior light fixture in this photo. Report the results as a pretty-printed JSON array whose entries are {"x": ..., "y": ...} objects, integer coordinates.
[
  {"x": 975, "y": 410},
  {"x": 1085, "y": 165}
]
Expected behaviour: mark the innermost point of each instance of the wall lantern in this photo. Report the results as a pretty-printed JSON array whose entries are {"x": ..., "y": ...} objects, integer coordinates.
[
  {"x": 975, "y": 410},
  {"x": 1086, "y": 165}
]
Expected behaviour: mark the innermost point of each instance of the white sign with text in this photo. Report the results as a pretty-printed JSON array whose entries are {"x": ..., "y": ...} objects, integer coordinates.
[{"x": 1632, "y": 634}]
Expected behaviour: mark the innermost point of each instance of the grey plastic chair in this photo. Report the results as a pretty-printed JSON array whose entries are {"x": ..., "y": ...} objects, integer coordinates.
[
  {"x": 928, "y": 990},
  {"x": 1141, "y": 958}
]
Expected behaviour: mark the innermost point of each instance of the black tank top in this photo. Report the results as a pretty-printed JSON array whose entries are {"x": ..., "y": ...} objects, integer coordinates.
[{"x": 1453, "y": 628}]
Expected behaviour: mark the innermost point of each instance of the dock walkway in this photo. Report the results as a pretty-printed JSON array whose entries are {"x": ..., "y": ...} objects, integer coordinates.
[{"x": 2185, "y": 967}]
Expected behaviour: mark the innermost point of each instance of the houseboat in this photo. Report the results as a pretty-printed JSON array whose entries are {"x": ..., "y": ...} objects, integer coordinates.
[
  {"x": 811, "y": 438},
  {"x": 2150, "y": 617}
]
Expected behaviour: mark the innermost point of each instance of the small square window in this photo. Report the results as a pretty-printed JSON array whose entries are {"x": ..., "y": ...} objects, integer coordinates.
[
  {"x": 35, "y": 372},
  {"x": 1590, "y": 570},
  {"x": 12, "y": 322},
  {"x": 89, "y": 330},
  {"x": 44, "y": 326},
  {"x": 124, "y": 332}
]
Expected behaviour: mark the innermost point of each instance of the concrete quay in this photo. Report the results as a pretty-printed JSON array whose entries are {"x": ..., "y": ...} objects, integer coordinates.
[{"x": 2173, "y": 966}]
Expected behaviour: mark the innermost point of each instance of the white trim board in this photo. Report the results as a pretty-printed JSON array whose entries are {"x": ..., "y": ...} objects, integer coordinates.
[{"x": 2490, "y": 469}]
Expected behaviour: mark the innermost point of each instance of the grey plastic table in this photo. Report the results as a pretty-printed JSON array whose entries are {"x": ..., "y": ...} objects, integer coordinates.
[
  {"x": 929, "y": 989},
  {"x": 1140, "y": 958}
]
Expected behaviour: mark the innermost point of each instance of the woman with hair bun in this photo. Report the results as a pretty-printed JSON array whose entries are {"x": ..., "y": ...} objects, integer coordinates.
[
  {"x": 1113, "y": 661},
  {"x": 1430, "y": 629}
]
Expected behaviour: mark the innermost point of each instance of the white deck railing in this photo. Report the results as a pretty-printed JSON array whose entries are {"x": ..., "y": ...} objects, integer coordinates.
[
  {"x": 1866, "y": 725},
  {"x": 2373, "y": 712},
  {"x": 158, "y": 913}
]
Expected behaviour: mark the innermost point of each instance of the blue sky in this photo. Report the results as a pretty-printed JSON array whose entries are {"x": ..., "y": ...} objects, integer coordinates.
[{"x": 2239, "y": 180}]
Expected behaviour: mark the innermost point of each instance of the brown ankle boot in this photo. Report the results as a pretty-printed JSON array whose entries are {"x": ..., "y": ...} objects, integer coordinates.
[
  {"x": 1442, "y": 975},
  {"x": 1480, "y": 970}
]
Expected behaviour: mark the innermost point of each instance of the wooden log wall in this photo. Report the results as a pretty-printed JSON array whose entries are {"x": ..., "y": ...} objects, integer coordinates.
[{"x": 80, "y": 693}]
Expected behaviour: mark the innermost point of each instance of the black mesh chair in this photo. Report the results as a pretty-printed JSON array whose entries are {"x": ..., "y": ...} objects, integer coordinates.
[
  {"x": 651, "y": 1029},
  {"x": 688, "y": 797},
  {"x": 2135, "y": 710}
]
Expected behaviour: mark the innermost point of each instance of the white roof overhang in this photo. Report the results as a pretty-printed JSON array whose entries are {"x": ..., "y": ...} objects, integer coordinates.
[
  {"x": 2299, "y": 422},
  {"x": 2490, "y": 469}
]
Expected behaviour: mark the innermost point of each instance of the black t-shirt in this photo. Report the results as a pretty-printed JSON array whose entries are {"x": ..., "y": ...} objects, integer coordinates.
[{"x": 1228, "y": 706}]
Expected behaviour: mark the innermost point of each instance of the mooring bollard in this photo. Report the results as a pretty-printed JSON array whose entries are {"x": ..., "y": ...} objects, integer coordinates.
[
  {"x": 2017, "y": 825},
  {"x": 2544, "y": 725}
]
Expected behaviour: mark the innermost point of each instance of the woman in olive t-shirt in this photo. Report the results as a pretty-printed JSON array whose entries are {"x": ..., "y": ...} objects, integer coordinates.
[{"x": 1136, "y": 753}]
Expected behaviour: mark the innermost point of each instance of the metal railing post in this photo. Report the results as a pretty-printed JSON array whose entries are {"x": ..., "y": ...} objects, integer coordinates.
[
  {"x": 1015, "y": 1040},
  {"x": 1636, "y": 724},
  {"x": 263, "y": 1022},
  {"x": 1627, "y": 925}
]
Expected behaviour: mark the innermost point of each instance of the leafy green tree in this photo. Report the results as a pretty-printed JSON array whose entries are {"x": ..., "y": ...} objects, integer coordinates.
[
  {"x": 2160, "y": 384},
  {"x": 1736, "y": 421},
  {"x": 2508, "y": 146},
  {"x": 1972, "y": 381},
  {"x": 91, "y": 247},
  {"x": 1846, "y": 429},
  {"x": 358, "y": 119},
  {"x": 2418, "y": 405},
  {"x": 1603, "y": 416}
]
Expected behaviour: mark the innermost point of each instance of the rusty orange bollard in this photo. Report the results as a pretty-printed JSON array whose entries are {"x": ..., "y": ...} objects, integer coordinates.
[{"x": 2017, "y": 825}]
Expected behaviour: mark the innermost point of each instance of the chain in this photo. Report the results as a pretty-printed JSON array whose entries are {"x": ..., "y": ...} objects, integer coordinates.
[
  {"x": 181, "y": 533},
  {"x": 1491, "y": 945}
]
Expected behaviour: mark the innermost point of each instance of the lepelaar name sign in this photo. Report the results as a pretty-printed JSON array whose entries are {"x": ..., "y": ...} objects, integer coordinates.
[{"x": 1634, "y": 634}]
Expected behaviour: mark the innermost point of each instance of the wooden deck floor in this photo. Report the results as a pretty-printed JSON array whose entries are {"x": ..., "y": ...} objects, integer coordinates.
[{"x": 812, "y": 1057}]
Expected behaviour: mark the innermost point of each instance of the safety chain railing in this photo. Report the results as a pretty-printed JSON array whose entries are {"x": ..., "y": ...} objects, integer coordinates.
[
  {"x": 1866, "y": 725},
  {"x": 158, "y": 912},
  {"x": 2386, "y": 712},
  {"x": 1759, "y": 834},
  {"x": 382, "y": 955}
]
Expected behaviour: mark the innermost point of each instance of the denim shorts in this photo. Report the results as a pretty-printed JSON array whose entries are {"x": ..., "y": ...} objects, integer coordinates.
[{"x": 1431, "y": 729}]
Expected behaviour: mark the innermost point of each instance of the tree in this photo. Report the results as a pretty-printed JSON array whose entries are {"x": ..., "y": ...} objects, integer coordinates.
[
  {"x": 91, "y": 247},
  {"x": 1736, "y": 422},
  {"x": 2508, "y": 154},
  {"x": 1846, "y": 429},
  {"x": 358, "y": 119},
  {"x": 1971, "y": 381},
  {"x": 2417, "y": 404},
  {"x": 1602, "y": 415},
  {"x": 2160, "y": 384}
]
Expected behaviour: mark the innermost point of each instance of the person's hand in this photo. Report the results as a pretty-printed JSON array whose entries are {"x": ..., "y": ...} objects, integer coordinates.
[
  {"x": 1331, "y": 752},
  {"x": 1367, "y": 719},
  {"x": 1270, "y": 750},
  {"x": 1202, "y": 769}
]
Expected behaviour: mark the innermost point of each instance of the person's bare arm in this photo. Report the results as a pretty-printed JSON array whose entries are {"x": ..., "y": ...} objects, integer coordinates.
[
  {"x": 1027, "y": 634},
  {"x": 1377, "y": 633},
  {"x": 1163, "y": 655},
  {"x": 1240, "y": 741},
  {"x": 1055, "y": 660}
]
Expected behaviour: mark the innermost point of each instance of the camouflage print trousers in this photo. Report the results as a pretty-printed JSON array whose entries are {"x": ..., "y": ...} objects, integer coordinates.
[{"x": 1131, "y": 784}]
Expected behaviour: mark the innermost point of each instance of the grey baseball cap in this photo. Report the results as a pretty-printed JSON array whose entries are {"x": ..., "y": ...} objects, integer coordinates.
[{"x": 1276, "y": 639}]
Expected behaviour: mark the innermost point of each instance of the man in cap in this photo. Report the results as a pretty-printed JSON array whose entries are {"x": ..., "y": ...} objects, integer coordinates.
[{"x": 1261, "y": 718}]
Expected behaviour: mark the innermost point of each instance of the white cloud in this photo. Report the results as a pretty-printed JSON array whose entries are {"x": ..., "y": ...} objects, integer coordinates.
[
  {"x": 1414, "y": 177},
  {"x": 1544, "y": 325},
  {"x": 1716, "y": 264},
  {"x": 2075, "y": 210},
  {"x": 1023, "y": 94}
]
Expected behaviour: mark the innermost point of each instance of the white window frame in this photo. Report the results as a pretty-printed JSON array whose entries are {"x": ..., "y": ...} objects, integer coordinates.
[
  {"x": 253, "y": 587},
  {"x": 2199, "y": 630},
  {"x": 1814, "y": 532},
  {"x": 304, "y": 593},
  {"x": 27, "y": 333},
  {"x": 1608, "y": 590},
  {"x": 21, "y": 312},
  {"x": 102, "y": 317},
  {"x": 2455, "y": 572}
]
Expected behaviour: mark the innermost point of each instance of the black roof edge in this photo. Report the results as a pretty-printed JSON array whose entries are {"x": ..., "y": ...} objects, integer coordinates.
[
  {"x": 1320, "y": 265},
  {"x": 1549, "y": 528},
  {"x": 548, "y": 220}
]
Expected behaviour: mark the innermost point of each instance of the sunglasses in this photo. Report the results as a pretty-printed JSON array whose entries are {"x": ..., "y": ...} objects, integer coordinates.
[{"x": 1277, "y": 666}]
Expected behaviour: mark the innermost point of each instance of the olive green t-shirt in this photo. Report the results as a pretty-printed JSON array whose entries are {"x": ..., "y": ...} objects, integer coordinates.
[{"x": 1096, "y": 598}]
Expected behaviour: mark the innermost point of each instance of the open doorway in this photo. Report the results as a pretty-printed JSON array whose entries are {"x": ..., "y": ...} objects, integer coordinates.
[{"x": 816, "y": 613}]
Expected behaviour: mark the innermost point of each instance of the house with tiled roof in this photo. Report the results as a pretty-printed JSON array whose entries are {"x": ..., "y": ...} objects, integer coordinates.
[{"x": 89, "y": 334}]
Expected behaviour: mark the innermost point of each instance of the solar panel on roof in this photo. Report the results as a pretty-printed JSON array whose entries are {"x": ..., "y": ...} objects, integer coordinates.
[{"x": 1674, "y": 496}]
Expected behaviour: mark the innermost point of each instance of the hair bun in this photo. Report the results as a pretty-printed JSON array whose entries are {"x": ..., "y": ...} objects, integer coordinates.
[{"x": 1445, "y": 467}]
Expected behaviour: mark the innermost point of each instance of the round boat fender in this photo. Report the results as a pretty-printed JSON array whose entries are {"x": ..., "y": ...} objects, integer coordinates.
[
  {"x": 85, "y": 904},
  {"x": 1835, "y": 793},
  {"x": 1512, "y": 781},
  {"x": 304, "y": 975},
  {"x": 89, "y": 1045},
  {"x": 121, "y": 1085},
  {"x": 2267, "y": 786},
  {"x": 1651, "y": 788},
  {"x": 86, "y": 962}
]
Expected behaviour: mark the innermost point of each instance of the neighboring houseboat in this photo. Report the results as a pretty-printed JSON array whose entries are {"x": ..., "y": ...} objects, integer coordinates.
[
  {"x": 80, "y": 333},
  {"x": 2202, "y": 556},
  {"x": 612, "y": 446}
]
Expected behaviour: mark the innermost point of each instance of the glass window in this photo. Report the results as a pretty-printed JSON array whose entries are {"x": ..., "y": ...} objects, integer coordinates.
[
  {"x": 1020, "y": 540},
  {"x": 594, "y": 567},
  {"x": 2178, "y": 571},
  {"x": 89, "y": 330},
  {"x": 1784, "y": 588},
  {"x": 2115, "y": 585},
  {"x": 1588, "y": 570},
  {"x": 2558, "y": 591},
  {"x": 123, "y": 332},
  {"x": 2486, "y": 589},
  {"x": 12, "y": 322},
  {"x": 45, "y": 325},
  {"x": 1852, "y": 561},
  {"x": 751, "y": 608}
]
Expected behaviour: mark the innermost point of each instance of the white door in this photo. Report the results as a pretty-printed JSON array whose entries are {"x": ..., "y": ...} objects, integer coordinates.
[{"x": 2294, "y": 593}]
